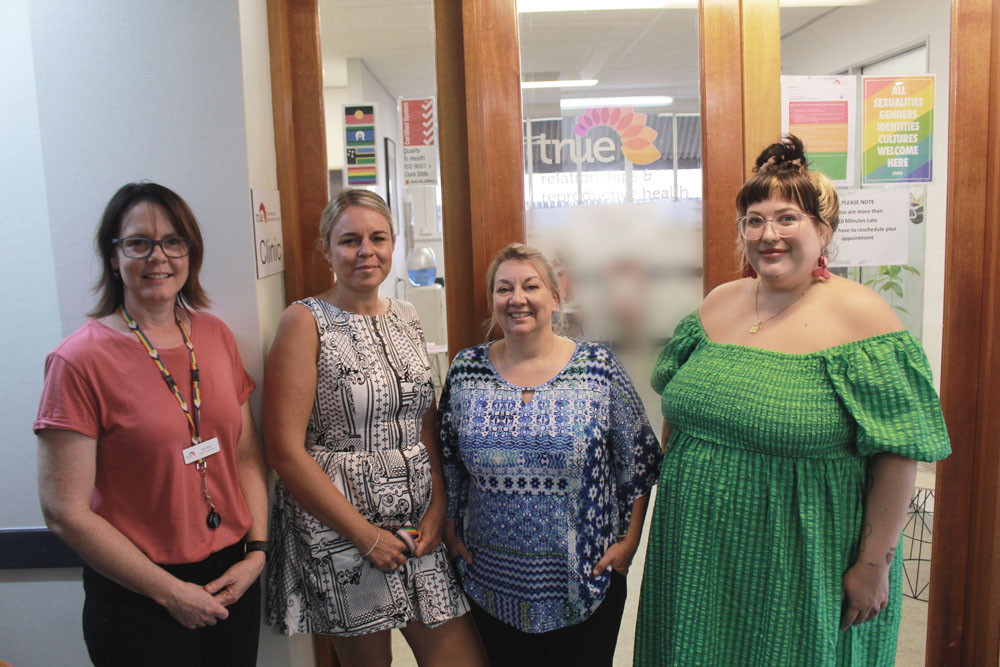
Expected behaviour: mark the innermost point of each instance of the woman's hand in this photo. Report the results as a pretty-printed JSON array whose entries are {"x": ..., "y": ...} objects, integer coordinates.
[
  {"x": 431, "y": 529},
  {"x": 618, "y": 556},
  {"x": 234, "y": 582},
  {"x": 389, "y": 553},
  {"x": 865, "y": 593},
  {"x": 456, "y": 547},
  {"x": 194, "y": 607}
]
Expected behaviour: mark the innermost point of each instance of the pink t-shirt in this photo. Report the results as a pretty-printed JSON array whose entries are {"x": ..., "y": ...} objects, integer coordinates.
[{"x": 102, "y": 383}]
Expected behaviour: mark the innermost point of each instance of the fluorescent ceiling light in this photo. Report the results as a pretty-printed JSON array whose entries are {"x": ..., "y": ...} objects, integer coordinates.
[
  {"x": 568, "y": 83},
  {"x": 635, "y": 101},
  {"x": 822, "y": 3},
  {"x": 537, "y": 6},
  {"x": 534, "y": 6}
]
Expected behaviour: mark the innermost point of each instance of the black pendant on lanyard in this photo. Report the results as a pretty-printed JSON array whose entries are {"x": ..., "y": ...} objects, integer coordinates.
[{"x": 214, "y": 519}]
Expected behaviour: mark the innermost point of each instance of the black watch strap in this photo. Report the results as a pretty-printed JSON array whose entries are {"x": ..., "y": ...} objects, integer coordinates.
[{"x": 257, "y": 545}]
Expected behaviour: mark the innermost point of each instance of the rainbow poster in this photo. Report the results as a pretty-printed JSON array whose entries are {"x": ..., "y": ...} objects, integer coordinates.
[{"x": 898, "y": 129}]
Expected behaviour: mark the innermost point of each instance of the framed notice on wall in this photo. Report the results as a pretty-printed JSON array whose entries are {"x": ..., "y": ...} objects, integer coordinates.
[{"x": 821, "y": 111}]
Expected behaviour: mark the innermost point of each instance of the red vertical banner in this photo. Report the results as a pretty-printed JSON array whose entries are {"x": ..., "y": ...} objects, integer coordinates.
[{"x": 419, "y": 132}]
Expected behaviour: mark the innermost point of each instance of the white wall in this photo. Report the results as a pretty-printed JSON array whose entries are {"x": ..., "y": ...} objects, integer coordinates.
[
  {"x": 851, "y": 36},
  {"x": 99, "y": 93},
  {"x": 334, "y": 99}
]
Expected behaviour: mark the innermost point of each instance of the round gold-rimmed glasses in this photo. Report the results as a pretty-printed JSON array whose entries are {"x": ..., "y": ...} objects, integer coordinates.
[{"x": 784, "y": 225}]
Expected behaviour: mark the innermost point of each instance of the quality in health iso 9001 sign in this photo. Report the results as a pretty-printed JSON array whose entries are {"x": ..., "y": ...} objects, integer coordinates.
[
  {"x": 419, "y": 120},
  {"x": 898, "y": 129}
]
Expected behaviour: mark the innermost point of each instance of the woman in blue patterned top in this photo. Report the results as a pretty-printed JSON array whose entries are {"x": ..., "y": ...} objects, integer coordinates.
[{"x": 549, "y": 461}]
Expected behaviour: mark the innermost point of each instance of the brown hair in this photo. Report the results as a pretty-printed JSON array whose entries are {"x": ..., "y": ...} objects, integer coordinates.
[
  {"x": 781, "y": 171},
  {"x": 110, "y": 289},
  {"x": 335, "y": 210},
  {"x": 519, "y": 252}
]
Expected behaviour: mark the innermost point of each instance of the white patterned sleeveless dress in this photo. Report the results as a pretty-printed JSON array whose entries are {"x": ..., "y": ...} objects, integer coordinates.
[{"x": 373, "y": 387}]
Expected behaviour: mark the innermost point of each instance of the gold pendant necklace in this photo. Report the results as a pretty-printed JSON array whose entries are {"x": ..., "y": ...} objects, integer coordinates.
[{"x": 759, "y": 323}]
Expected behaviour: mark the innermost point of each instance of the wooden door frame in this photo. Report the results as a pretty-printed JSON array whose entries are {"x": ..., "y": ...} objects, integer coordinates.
[
  {"x": 482, "y": 171},
  {"x": 300, "y": 140},
  {"x": 963, "y": 619},
  {"x": 740, "y": 115},
  {"x": 482, "y": 159}
]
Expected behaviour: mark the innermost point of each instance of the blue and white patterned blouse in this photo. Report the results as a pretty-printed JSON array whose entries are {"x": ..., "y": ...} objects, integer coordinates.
[{"x": 540, "y": 490}]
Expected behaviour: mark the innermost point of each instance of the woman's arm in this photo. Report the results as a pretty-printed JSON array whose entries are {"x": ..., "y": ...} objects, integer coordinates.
[
  {"x": 432, "y": 525},
  {"x": 455, "y": 476},
  {"x": 635, "y": 457},
  {"x": 289, "y": 391},
  {"x": 665, "y": 436},
  {"x": 252, "y": 473},
  {"x": 866, "y": 583},
  {"x": 620, "y": 554},
  {"x": 67, "y": 466},
  {"x": 456, "y": 547}
]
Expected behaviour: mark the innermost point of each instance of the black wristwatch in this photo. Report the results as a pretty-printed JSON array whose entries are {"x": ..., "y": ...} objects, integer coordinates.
[{"x": 257, "y": 545}]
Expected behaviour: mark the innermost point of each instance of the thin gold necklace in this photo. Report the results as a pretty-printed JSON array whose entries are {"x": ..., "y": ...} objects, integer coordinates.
[{"x": 759, "y": 323}]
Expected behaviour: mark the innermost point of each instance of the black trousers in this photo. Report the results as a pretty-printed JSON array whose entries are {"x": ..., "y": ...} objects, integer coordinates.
[
  {"x": 123, "y": 628},
  {"x": 589, "y": 643}
]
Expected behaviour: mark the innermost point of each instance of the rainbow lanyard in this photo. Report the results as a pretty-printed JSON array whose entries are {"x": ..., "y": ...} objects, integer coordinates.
[{"x": 194, "y": 422}]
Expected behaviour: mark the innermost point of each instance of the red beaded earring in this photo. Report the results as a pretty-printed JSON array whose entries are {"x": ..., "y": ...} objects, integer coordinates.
[
  {"x": 821, "y": 271},
  {"x": 748, "y": 271}
]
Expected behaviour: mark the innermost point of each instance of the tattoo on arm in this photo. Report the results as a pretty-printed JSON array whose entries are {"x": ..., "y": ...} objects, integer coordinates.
[
  {"x": 864, "y": 537},
  {"x": 889, "y": 556}
]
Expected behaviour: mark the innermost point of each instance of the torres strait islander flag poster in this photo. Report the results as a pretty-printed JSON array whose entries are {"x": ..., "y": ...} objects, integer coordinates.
[
  {"x": 898, "y": 129},
  {"x": 359, "y": 144}
]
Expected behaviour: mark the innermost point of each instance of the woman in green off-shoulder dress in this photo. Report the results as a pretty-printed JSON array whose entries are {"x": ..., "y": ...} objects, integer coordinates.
[{"x": 795, "y": 412}]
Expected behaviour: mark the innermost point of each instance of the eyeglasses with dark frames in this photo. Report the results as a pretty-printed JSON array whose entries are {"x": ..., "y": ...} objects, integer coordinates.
[{"x": 140, "y": 247}]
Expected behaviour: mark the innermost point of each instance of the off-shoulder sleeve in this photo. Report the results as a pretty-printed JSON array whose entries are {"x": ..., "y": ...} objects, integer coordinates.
[
  {"x": 686, "y": 338},
  {"x": 885, "y": 383},
  {"x": 455, "y": 475},
  {"x": 635, "y": 451}
]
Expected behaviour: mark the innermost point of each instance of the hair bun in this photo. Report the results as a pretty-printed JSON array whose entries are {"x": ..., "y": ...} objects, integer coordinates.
[{"x": 787, "y": 154}]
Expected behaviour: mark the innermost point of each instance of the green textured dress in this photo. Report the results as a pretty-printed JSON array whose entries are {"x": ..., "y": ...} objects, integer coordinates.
[{"x": 759, "y": 505}]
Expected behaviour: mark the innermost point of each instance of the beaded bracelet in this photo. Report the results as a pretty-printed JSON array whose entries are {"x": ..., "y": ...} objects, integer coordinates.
[{"x": 367, "y": 553}]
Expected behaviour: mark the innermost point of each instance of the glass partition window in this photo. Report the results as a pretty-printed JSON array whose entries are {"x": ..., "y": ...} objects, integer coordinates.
[{"x": 612, "y": 139}]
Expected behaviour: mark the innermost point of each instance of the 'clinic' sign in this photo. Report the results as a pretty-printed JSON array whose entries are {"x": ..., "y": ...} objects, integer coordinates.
[{"x": 266, "y": 211}]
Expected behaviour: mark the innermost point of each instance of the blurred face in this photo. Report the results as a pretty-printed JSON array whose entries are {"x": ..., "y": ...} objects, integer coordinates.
[
  {"x": 154, "y": 280},
  {"x": 360, "y": 249},
  {"x": 522, "y": 302},
  {"x": 785, "y": 258}
]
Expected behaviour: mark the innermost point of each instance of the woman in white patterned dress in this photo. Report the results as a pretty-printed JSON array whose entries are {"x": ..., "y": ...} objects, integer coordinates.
[{"x": 348, "y": 376}]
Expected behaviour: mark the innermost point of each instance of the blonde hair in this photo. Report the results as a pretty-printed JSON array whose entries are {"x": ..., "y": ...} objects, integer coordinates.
[
  {"x": 781, "y": 171},
  {"x": 518, "y": 252},
  {"x": 335, "y": 210}
]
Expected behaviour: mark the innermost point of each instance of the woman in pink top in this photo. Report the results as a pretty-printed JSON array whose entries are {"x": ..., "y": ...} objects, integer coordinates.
[{"x": 149, "y": 463}]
